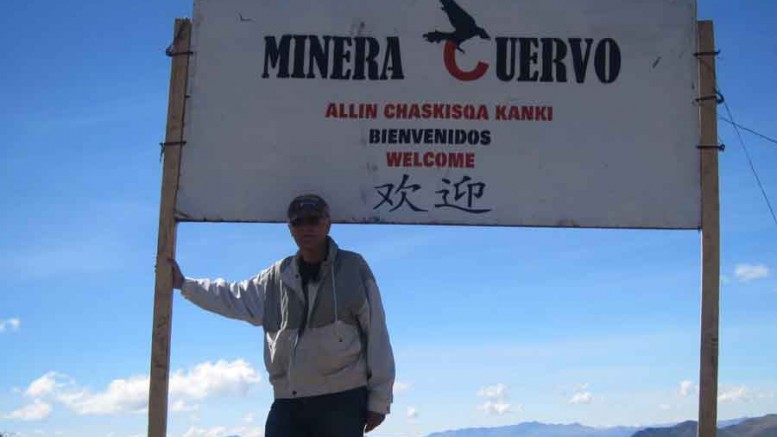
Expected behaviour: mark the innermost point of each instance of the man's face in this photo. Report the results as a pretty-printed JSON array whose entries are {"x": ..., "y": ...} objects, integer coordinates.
[{"x": 310, "y": 230}]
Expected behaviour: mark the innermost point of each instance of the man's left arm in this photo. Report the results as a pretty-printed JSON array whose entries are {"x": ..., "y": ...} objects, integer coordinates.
[{"x": 380, "y": 357}]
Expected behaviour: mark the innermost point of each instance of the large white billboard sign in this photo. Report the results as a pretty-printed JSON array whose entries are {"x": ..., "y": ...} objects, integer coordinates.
[{"x": 499, "y": 112}]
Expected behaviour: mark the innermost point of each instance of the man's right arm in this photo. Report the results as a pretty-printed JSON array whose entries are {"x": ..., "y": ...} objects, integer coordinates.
[{"x": 242, "y": 300}]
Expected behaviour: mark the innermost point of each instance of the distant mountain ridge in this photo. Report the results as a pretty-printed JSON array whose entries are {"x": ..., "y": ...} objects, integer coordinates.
[
  {"x": 765, "y": 426},
  {"x": 538, "y": 429}
]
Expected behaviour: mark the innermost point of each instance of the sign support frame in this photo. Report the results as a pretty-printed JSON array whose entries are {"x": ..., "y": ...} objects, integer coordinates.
[
  {"x": 710, "y": 232},
  {"x": 163, "y": 288}
]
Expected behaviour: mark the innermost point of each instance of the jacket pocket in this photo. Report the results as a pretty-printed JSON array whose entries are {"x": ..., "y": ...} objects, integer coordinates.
[
  {"x": 327, "y": 351},
  {"x": 340, "y": 349},
  {"x": 279, "y": 346}
]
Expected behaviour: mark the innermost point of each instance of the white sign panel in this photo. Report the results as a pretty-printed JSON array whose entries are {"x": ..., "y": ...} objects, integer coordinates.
[{"x": 502, "y": 112}]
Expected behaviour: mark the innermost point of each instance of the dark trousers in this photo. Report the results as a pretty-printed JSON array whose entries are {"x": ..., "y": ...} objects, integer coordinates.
[{"x": 334, "y": 415}]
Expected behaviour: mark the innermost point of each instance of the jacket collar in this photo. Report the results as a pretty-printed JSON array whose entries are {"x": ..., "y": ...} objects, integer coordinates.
[{"x": 290, "y": 274}]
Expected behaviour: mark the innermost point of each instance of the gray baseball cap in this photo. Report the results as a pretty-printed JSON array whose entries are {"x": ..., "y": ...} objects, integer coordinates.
[{"x": 307, "y": 204}]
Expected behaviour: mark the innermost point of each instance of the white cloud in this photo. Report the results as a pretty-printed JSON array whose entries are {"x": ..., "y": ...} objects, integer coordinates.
[
  {"x": 205, "y": 432},
  {"x": 249, "y": 418},
  {"x": 412, "y": 413},
  {"x": 496, "y": 402},
  {"x": 496, "y": 407},
  {"x": 36, "y": 411},
  {"x": 686, "y": 388},
  {"x": 401, "y": 387},
  {"x": 122, "y": 396},
  {"x": 12, "y": 324},
  {"x": 46, "y": 384},
  {"x": 180, "y": 406},
  {"x": 220, "y": 431},
  {"x": 750, "y": 272},
  {"x": 208, "y": 379},
  {"x": 42, "y": 386},
  {"x": 493, "y": 391},
  {"x": 581, "y": 398},
  {"x": 130, "y": 395},
  {"x": 735, "y": 394}
]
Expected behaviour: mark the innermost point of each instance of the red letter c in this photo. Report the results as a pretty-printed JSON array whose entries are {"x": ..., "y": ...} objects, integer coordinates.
[{"x": 449, "y": 56}]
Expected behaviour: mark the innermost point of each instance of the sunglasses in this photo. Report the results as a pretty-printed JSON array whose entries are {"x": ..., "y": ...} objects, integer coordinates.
[{"x": 311, "y": 220}]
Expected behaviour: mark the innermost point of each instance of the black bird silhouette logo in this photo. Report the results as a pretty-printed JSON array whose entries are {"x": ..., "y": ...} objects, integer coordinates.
[{"x": 463, "y": 24}]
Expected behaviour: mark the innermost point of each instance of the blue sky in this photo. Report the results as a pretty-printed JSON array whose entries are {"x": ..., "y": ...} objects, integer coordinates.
[{"x": 491, "y": 326}]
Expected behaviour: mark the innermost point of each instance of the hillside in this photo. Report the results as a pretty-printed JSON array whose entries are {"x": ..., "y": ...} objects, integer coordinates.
[
  {"x": 537, "y": 429},
  {"x": 765, "y": 426}
]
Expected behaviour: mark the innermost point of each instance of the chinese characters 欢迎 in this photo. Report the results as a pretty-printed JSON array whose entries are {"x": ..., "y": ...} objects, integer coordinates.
[{"x": 460, "y": 195}]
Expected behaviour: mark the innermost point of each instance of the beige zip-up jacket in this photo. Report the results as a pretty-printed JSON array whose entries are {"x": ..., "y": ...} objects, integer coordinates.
[{"x": 345, "y": 343}]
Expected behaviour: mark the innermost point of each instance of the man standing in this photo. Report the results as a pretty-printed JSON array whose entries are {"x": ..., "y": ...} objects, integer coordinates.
[{"x": 326, "y": 345}]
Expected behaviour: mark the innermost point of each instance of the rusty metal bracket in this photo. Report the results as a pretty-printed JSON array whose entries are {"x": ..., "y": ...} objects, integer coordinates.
[
  {"x": 162, "y": 147},
  {"x": 169, "y": 50},
  {"x": 721, "y": 147},
  {"x": 174, "y": 54},
  {"x": 718, "y": 98}
]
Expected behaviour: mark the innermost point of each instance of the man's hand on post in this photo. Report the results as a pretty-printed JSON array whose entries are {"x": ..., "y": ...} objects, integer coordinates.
[
  {"x": 177, "y": 275},
  {"x": 373, "y": 420}
]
